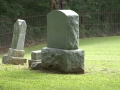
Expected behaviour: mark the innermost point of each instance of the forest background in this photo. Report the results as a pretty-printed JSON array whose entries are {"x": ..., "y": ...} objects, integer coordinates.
[
  {"x": 98, "y": 18},
  {"x": 22, "y": 7}
]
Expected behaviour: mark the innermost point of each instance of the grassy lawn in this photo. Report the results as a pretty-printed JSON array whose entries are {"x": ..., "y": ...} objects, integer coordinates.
[{"x": 102, "y": 70}]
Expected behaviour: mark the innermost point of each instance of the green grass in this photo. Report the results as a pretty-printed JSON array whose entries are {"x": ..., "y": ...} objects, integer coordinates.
[{"x": 102, "y": 70}]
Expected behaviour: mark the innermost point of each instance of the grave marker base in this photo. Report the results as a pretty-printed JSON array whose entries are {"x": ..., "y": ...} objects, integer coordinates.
[
  {"x": 14, "y": 57},
  {"x": 68, "y": 61}
]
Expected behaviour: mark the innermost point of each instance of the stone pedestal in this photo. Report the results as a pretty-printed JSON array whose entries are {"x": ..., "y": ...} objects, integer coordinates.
[
  {"x": 68, "y": 61},
  {"x": 16, "y": 52},
  {"x": 14, "y": 56},
  {"x": 36, "y": 55}
]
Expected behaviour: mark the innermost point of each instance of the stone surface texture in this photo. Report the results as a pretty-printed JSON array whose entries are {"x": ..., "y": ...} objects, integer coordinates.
[
  {"x": 36, "y": 65},
  {"x": 62, "y": 52},
  {"x": 18, "y": 60},
  {"x": 68, "y": 61},
  {"x": 63, "y": 29},
  {"x": 19, "y": 35},
  {"x": 36, "y": 55},
  {"x": 6, "y": 59},
  {"x": 16, "y": 52},
  {"x": 32, "y": 61},
  {"x": 35, "y": 62}
]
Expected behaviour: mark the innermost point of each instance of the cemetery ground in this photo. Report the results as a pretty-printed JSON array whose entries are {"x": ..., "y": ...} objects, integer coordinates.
[{"x": 102, "y": 70}]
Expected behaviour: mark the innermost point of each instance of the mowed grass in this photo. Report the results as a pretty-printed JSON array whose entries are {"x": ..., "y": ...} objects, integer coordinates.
[{"x": 102, "y": 70}]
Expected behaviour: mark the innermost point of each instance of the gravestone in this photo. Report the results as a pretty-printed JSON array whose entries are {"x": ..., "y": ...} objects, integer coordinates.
[
  {"x": 16, "y": 51},
  {"x": 62, "y": 52},
  {"x": 35, "y": 62}
]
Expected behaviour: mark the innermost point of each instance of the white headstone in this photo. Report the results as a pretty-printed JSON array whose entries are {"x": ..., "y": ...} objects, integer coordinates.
[
  {"x": 19, "y": 35},
  {"x": 16, "y": 52}
]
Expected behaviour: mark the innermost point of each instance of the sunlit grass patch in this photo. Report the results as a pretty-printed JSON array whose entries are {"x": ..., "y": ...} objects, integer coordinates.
[{"x": 102, "y": 70}]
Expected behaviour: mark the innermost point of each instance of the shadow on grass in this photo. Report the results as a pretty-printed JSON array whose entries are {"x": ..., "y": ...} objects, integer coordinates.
[{"x": 53, "y": 71}]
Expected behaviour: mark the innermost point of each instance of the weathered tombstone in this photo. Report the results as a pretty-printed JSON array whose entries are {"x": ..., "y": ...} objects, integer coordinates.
[
  {"x": 62, "y": 51},
  {"x": 16, "y": 52},
  {"x": 35, "y": 62}
]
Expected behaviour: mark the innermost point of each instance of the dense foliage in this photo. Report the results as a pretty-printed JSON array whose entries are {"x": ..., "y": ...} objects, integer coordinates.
[
  {"x": 95, "y": 5},
  {"x": 22, "y": 7},
  {"x": 97, "y": 18}
]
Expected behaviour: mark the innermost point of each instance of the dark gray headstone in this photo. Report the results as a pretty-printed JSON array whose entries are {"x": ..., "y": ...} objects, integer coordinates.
[
  {"x": 62, "y": 51},
  {"x": 63, "y": 29}
]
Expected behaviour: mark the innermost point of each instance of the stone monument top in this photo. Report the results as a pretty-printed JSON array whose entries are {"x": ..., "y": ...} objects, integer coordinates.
[
  {"x": 63, "y": 29},
  {"x": 19, "y": 35},
  {"x": 68, "y": 12}
]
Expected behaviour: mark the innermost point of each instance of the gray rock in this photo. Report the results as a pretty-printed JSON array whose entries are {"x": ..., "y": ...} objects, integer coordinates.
[
  {"x": 5, "y": 59},
  {"x": 68, "y": 61},
  {"x": 31, "y": 61},
  {"x": 36, "y": 65}
]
